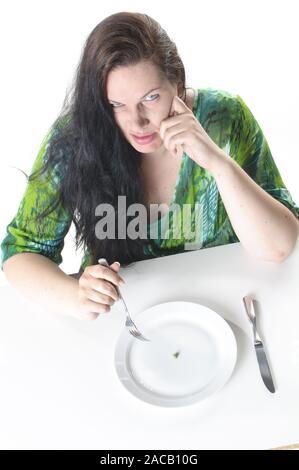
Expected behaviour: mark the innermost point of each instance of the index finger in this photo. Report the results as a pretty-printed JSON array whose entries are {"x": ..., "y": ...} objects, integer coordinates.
[{"x": 103, "y": 272}]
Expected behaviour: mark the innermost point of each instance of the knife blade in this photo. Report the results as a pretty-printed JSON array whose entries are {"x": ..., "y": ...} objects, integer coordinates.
[
  {"x": 259, "y": 346},
  {"x": 264, "y": 366}
]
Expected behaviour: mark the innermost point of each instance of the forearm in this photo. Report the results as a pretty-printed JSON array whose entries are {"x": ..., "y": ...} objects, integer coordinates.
[
  {"x": 41, "y": 280},
  {"x": 266, "y": 228}
]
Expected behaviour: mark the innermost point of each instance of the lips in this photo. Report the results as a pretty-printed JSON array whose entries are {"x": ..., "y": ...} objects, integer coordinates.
[
  {"x": 144, "y": 139},
  {"x": 141, "y": 136}
]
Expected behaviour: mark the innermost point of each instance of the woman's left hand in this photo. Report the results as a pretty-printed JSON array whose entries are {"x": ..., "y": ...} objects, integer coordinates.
[{"x": 182, "y": 132}]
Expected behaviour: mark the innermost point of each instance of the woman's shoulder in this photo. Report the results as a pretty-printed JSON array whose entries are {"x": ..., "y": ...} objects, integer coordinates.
[
  {"x": 216, "y": 105},
  {"x": 216, "y": 97}
]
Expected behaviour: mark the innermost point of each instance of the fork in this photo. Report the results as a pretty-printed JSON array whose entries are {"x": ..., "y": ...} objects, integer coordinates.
[{"x": 129, "y": 322}]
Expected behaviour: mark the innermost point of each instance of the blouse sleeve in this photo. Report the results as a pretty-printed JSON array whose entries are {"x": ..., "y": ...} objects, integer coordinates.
[
  {"x": 26, "y": 233},
  {"x": 254, "y": 156}
]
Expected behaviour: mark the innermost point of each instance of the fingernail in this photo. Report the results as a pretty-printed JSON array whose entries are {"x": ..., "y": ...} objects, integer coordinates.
[
  {"x": 122, "y": 282},
  {"x": 117, "y": 263}
]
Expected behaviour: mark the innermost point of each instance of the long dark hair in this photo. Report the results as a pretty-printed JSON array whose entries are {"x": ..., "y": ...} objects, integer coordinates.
[{"x": 95, "y": 162}]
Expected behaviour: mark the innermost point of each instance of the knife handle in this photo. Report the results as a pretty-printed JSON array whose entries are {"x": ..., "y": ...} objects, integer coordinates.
[{"x": 250, "y": 310}]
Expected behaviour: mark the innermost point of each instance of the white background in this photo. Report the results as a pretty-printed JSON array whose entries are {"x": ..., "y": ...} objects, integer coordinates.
[{"x": 248, "y": 48}]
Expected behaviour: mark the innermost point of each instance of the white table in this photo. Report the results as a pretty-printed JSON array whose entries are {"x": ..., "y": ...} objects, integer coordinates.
[{"x": 59, "y": 388}]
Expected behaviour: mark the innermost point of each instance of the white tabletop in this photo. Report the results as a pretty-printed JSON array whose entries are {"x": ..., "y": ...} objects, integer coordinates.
[{"x": 59, "y": 388}]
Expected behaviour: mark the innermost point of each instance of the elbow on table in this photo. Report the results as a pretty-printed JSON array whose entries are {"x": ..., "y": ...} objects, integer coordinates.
[
  {"x": 281, "y": 255},
  {"x": 276, "y": 255},
  {"x": 284, "y": 254}
]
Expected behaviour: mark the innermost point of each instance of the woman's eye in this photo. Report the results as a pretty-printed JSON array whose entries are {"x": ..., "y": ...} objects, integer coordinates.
[
  {"x": 152, "y": 95},
  {"x": 118, "y": 106}
]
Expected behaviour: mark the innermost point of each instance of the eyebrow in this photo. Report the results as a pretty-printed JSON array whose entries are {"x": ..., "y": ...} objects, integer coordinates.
[{"x": 153, "y": 89}]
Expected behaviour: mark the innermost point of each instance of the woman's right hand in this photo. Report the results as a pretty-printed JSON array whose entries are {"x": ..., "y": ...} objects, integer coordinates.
[{"x": 97, "y": 290}]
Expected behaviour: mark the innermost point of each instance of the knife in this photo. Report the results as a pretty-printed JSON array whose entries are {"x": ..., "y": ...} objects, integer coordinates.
[{"x": 258, "y": 346}]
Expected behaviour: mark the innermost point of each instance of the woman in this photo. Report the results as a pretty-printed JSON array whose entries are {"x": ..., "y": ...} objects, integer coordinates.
[{"x": 205, "y": 151}]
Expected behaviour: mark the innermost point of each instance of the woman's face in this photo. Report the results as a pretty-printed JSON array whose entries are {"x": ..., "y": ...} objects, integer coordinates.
[{"x": 140, "y": 99}]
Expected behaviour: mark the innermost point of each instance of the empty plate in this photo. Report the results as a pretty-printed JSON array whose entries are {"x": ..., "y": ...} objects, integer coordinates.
[{"x": 191, "y": 354}]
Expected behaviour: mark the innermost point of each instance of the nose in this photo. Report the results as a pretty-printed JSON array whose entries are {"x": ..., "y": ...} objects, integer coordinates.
[{"x": 139, "y": 119}]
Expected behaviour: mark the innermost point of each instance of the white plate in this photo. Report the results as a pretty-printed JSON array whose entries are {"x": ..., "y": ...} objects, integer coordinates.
[{"x": 191, "y": 354}]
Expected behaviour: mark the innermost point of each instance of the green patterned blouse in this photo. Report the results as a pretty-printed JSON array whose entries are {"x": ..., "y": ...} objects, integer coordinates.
[{"x": 196, "y": 218}]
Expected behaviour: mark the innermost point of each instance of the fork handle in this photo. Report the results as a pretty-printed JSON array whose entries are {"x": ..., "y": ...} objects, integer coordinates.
[{"x": 104, "y": 262}]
